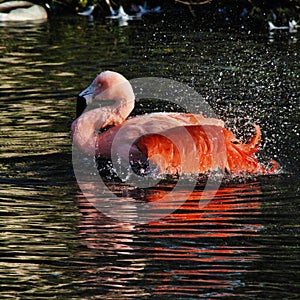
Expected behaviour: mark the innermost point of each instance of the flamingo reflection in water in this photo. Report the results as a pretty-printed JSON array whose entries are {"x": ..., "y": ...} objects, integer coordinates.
[{"x": 194, "y": 250}]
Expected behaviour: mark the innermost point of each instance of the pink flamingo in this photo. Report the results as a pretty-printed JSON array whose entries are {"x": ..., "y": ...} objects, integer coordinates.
[{"x": 172, "y": 142}]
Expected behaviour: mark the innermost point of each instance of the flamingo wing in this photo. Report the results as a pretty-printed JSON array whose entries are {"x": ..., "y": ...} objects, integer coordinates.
[
  {"x": 200, "y": 148},
  {"x": 181, "y": 143}
]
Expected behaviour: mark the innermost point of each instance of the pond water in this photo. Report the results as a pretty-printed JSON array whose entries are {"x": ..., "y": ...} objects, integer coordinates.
[{"x": 55, "y": 245}]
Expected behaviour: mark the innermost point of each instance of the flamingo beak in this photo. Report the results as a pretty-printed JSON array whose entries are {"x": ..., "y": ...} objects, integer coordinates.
[
  {"x": 89, "y": 92},
  {"x": 80, "y": 105},
  {"x": 85, "y": 98}
]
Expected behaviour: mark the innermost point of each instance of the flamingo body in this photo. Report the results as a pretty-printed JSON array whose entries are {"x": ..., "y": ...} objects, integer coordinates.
[{"x": 172, "y": 142}]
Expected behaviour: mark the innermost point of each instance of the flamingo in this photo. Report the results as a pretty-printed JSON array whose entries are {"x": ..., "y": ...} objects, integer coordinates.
[{"x": 172, "y": 143}]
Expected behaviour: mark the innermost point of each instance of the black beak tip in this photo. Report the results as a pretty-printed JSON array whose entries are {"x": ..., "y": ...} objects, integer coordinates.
[{"x": 80, "y": 106}]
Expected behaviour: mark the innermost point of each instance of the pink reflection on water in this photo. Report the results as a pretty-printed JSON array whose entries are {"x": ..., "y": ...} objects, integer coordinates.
[{"x": 187, "y": 253}]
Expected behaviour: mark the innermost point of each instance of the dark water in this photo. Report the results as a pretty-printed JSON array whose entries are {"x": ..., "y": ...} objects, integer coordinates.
[{"x": 55, "y": 245}]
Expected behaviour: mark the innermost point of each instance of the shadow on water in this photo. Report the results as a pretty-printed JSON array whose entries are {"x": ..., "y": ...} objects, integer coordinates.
[{"x": 55, "y": 244}]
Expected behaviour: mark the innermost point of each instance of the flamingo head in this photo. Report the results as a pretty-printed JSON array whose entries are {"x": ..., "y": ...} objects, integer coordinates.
[{"x": 108, "y": 85}]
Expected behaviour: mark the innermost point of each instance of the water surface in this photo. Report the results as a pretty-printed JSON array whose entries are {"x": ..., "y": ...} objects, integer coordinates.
[{"x": 56, "y": 245}]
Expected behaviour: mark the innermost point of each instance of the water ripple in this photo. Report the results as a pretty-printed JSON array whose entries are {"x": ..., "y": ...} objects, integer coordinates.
[{"x": 56, "y": 244}]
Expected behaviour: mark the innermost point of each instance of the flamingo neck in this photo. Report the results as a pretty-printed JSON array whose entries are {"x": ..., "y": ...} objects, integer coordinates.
[
  {"x": 86, "y": 128},
  {"x": 119, "y": 111}
]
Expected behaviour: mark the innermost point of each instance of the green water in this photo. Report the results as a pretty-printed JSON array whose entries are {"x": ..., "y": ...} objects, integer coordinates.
[{"x": 55, "y": 245}]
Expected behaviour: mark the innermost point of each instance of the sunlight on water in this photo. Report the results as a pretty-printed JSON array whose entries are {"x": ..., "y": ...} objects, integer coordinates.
[{"x": 56, "y": 244}]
